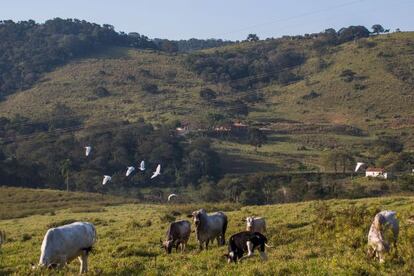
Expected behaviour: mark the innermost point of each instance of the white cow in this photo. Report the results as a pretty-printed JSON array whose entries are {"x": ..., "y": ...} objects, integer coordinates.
[
  {"x": 377, "y": 245},
  {"x": 256, "y": 224},
  {"x": 63, "y": 244}
]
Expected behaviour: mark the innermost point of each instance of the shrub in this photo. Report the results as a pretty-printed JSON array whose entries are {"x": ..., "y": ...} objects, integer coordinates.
[
  {"x": 311, "y": 95},
  {"x": 347, "y": 75},
  {"x": 101, "y": 92},
  {"x": 150, "y": 87},
  {"x": 358, "y": 86},
  {"x": 167, "y": 218},
  {"x": 60, "y": 223},
  {"x": 207, "y": 94},
  {"x": 26, "y": 237}
]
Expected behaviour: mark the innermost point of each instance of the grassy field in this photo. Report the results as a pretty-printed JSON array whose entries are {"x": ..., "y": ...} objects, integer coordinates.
[
  {"x": 20, "y": 202},
  {"x": 310, "y": 238}
]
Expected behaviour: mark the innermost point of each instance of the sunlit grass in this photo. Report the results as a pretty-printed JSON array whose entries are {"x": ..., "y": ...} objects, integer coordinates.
[{"x": 128, "y": 241}]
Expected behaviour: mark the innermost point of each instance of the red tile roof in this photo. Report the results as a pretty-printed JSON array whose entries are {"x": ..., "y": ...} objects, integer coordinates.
[{"x": 375, "y": 170}]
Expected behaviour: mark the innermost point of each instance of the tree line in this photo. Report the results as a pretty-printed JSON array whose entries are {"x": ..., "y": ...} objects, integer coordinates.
[{"x": 41, "y": 155}]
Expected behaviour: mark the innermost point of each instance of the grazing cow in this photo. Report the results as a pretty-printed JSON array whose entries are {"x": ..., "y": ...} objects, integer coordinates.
[
  {"x": 63, "y": 244},
  {"x": 377, "y": 245},
  {"x": 255, "y": 224},
  {"x": 177, "y": 234},
  {"x": 246, "y": 241},
  {"x": 209, "y": 227}
]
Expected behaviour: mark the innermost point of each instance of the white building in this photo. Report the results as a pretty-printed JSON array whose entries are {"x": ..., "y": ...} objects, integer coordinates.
[{"x": 376, "y": 172}]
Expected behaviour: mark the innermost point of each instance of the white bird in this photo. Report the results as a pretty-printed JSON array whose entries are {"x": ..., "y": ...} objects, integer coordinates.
[
  {"x": 171, "y": 196},
  {"x": 106, "y": 179},
  {"x": 142, "y": 165},
  {"x": 157, "y": 172},
  {"x": 358, "y": 165},
  {"x": 129, "y": 170},
  {"x": 88, "y": 150}
]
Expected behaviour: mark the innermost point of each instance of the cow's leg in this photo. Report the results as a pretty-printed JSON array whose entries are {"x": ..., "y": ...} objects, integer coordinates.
[
  {"x": 200, "y": 245},
  {"x": 263, "y": 255},
  {"x": 176, "y": 246},
  {"x": 249, "y": 250},
  {"x": 83, "y": 259},
  {"x": 207, "y": 241}
]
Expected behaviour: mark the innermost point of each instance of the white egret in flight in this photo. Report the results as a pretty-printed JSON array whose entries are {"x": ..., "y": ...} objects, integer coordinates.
[
  {"x": 157, "y": 172},
  {"x": 358, "y": 165},
  {"x": 129, "y": 170},
  {"x": 142, "y": 165},
  {"x": 88, "y": 150},
  {"x": 171, "y": 196},
  {"x": 106, "y": 179}
]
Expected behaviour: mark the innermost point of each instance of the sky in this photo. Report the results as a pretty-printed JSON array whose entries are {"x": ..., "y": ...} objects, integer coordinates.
[{"x": 225, "y": 19}]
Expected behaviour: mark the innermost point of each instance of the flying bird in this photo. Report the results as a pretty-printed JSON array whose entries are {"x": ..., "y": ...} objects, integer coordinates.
[
  {"x": 157, "y": 172},
  {"x": 106, "y": 179},
  {"x": 358, "y": 165},
  {"x": 171, "y": 196},
  {"x": 142, "y": 165},
  {"x": 129, "y": 170},
  {"x": 88, "y": 150}
]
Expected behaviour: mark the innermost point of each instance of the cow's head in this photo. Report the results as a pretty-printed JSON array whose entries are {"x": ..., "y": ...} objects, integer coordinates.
[
  {"x": 167, "y": 245},
  {"x": 231, "y": 257},
  {"x": 379, "y": 220},
  {"x": 196, "y": 215},
  {"x": 249, "y": 223}
]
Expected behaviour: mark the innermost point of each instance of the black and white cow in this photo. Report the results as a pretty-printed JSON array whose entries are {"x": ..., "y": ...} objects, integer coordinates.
[
  {"x": 246, "y": 242},
  {"x": 209, "y": 227},
  {"x": 177, "y": 234},
  {"x": 63, "y": 244}
]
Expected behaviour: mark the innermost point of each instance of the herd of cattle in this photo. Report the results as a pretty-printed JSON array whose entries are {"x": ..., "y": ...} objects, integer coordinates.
[{"x": 63, "y": 244}]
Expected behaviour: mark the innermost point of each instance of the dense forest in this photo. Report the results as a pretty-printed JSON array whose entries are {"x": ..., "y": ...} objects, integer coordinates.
[{"x": 48, "y": 155}]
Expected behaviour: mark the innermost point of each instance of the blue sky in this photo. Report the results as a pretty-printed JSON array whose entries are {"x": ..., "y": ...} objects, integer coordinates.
[{"x": 227, "y": 19}]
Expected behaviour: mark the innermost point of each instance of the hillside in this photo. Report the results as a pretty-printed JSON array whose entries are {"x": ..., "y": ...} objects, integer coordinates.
[
  {"x": 338, "y": 96},
  {"x": 310, "y": 238}
]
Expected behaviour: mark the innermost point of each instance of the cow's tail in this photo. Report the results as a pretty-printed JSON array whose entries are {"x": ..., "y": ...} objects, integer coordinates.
[{"x": 223, "y": 236}]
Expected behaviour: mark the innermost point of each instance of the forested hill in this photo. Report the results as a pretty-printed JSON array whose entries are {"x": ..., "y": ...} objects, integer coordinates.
[
  {"x": 260, "y": 117},
  {"x": 29, "y": 49}
]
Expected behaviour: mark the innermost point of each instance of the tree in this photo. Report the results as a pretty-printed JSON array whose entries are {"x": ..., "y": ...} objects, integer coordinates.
[
  {"x": 256, "y": 137},
  {"x": 377, "y": 29},
  {"x": 352, "y": 33},
  {"x": 252, "y": 37},
  {"x": 337, "y": 158},
  {"x": 64, "y": 170},
  {"x": 207, "y": 94}
]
